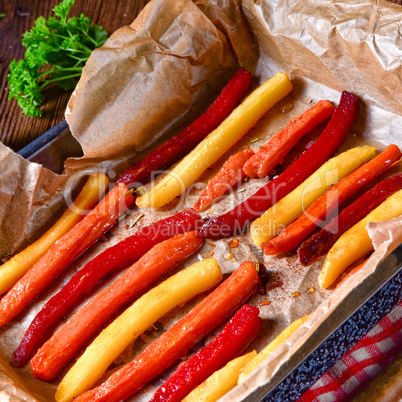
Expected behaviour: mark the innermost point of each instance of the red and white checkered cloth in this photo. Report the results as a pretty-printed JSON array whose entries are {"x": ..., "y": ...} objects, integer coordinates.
[{"x": 365, "y": 360}]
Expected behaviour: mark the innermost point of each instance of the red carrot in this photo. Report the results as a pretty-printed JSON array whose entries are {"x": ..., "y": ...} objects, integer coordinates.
[
  {"x": 321, "y": 242},
  {"x": 175, "y": 342},
  {"x": 64, "y": 252},
  {"x": 294, "y": 234},
  {"x": 110, "y": 260},
  {"x": 228, "y": 176},
  {"x": 233, "y": 339},
  {"x": 332, "y": 137},
  {"x": 63, "y": 345},
  {"x": 181, "y": 144},
  {"x": 269, "y": 155}
]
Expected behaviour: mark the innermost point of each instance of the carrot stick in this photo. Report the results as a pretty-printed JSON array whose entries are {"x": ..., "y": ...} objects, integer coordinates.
[
  {"x": 320, "y": 243},
  {"x": 181, "y": 144},
  {"x": 295, "y": 233},
  {"x": 114, "y": 258},
  {"x": 269, "y": 155},
  {"x": 219, "y": 141},
  {"x": 234, "y": 338},
  {"x": 22, "y": 262},
  {"x": 351, "y": 273},
  {"x": 64, "y": 252},
  {"x": 141, "y": 315},
  {"x": 63, "y": 345},
  {"x": 175, "y": 342},
  {"x": 228, "y": 176}
]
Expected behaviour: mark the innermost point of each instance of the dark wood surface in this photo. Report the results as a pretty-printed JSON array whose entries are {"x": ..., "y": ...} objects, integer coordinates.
[{"x": 16, "y": 129}]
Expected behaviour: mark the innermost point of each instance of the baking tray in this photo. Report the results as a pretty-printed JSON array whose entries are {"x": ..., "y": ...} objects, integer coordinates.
[{"x": 360, "y": 310}]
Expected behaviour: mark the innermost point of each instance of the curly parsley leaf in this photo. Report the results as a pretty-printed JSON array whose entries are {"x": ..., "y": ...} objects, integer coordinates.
[{"x": 56, "y": 51}]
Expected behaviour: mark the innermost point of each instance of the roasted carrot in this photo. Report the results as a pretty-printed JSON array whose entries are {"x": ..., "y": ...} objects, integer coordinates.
[
  {"x": 282, "y": 337},
  {"x": 175, "y": 342},
  {"x": 178, "y": 146},
  {"x": 141, "y": 315},
  {"x": 219, "y": 141},
  {"x": 228, "y": 176},
  {"x": 320, "y": 243},
  {"x": 294, "y": 234},
  {"x": 220, "y": 382},
  {"x": 64, "y": 252},
  {"x": 351, "y": 273},
  {"x": 84, "y": 280},
  {"x": 356, "y": 242},
  {"x": 291, "y": 207},
  {"x": 63, "y": 345},
  {"x": 234, "y": 338},
  {"x": 332, "y": 137},
  {"x": 22, "y": 262},
  {"x": 269, "y": 155}
]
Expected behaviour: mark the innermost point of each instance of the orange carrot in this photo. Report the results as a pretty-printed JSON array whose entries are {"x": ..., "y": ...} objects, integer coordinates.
[
  {"x": 228, "y": 176},
  {"x": 64, "y": 252},
  {"x": 295, "y": 233},
  {"x": 352, "y": 272},
  {"x": 269, "y": 155},
  {"x": 175, "y": 342},
  {"x": 63, "y": 345}
]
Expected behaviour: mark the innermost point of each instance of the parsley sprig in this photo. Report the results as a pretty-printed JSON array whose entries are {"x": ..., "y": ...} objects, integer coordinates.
[{"x": 56, "y": 51}]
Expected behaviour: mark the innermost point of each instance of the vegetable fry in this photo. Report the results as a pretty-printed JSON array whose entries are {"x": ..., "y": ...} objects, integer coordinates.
[
  {"x": 282, "y": 337},
  {"x": 356, "y": 243},
  {"x": 114, "y": 258},
  {"x": 176, "y": 290},
  {"x": 63, "y": 345},
  {"x": 234, "y": 338},
  {"x": 321, "y": 242},
  {"x": 270, "y": 154},
  {"x": 294, "y": 234},
  {"x": 175, "y": 342},
  {"x": 15, "y": 268},
  {"x": 217, "y": 142},
  {"x": 351, "y": 273},
  {"x": 178, "y": 146},
  {"x": 228, "y": 176},
  {"x": 331, "y": 138},
  {"x": 220, "y": 382},
  {"x": 64, "y": 252},
  {"x": 292, "y": 206}
]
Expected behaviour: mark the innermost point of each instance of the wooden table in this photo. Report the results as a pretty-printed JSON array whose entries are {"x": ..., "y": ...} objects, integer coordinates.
[{"x": 16, "y": 129}]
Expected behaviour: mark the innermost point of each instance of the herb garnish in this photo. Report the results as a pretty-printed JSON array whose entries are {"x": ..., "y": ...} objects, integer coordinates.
[{"x": 56, "y": 51}]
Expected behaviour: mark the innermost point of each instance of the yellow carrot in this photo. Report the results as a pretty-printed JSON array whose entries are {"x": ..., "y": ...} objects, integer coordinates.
[
  {"x": 220, "y": 382},
  {"x": 178, "y": 289},
  {"x": 355, "y": 243},
  {"x": 14, "y": 269},
  {"x": 285, "y": 334},
  {"x": 217, "y": 142},
  {"x": 289, "y": 208}
]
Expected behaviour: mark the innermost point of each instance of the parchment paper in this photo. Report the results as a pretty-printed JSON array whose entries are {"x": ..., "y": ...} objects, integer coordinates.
[{"x": 150, "y": 80}]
